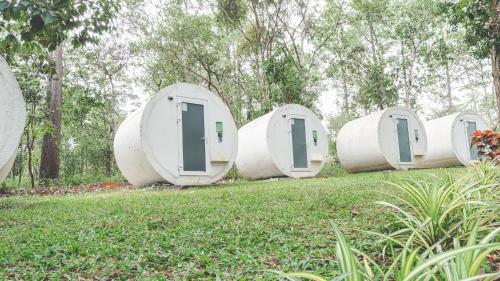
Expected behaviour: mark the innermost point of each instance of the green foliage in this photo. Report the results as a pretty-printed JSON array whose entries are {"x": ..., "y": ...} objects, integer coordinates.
[
  {"x": 468, "y": 264},
  {"x": 477, "y": 17},
  {"x": 458, "y": 264},
  {"x": 434, "y": 220},
  {"x": 436, "y": 212},
  {"x": 332, "y": 169},
  {"x": 377, "y": 89},
  {"x": 49, "y": 23},
  {"x": 231, "y": 11},
  {"x": 286, "y": 80}
]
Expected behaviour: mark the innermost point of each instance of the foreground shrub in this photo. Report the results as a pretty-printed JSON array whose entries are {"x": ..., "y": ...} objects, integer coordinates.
[
  {"x": 412, "y": 264},
  {"x": 436, "y": 212},
  {"x": 438, "y": 233},
  {"x": 488, "y": 145}
]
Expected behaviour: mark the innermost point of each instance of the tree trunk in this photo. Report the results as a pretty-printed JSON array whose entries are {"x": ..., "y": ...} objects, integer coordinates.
[
  {"x": 345, "y": 90},
  {"x": 495, "y": 62},
  {"x": 20, "y": 156},
  {"x": 449, "y": 96},
  {"x": 29, "y": 146},
  {"x": 405, "y": 77},
  {"x": 49, "y": 162}
]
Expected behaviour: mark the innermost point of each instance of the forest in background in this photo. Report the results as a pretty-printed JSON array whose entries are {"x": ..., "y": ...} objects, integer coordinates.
[{"x": 83, "y": 65}]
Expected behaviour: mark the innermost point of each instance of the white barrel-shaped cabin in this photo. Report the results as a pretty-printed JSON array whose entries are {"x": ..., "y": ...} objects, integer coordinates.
[
  {"x": 184, "y": 135},
  {"x": 393, "y": 138},
  {"x": 449, "y": 139},
  {"x": 12, "y": 118},
  {"x": 289, "y": 141}
]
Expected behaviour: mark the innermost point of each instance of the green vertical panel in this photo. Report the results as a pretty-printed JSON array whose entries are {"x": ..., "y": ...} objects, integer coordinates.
[
  {"x": 299, "y": 143},
  {"x": 315, "y": 137},
  {"x": 403, "y": 140},
  {"x": 471, "y": 128},
  {"x": 219, "y": 127},
  {"x": 193, "y": 137}
]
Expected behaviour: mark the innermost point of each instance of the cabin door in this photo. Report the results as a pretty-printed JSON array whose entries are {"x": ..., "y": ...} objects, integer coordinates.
[
  {"x": 403, "y": 134},
  {"x": 192, "y": 137},
  {"x": 471, "y": 127},
  {"x": 298, "y": 143}
]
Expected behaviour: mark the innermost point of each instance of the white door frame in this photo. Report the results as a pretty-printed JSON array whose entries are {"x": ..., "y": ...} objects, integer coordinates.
[{"x": 180, "y": 100}]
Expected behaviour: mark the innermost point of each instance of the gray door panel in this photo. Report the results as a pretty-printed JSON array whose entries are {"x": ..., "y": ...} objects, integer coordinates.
[
  {"x": 403, "y": 140},
  {"x": 471, "y": 128},
  {"x": 299, "y": 144},
  {"x": 193, "y": 137}
]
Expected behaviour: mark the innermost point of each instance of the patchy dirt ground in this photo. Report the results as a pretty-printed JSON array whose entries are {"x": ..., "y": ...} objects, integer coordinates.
[{"x": 62, "y": 190}]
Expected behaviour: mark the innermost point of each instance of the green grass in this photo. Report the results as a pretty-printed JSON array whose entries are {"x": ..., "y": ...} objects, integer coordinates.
[{"x": 225, "y": 232}]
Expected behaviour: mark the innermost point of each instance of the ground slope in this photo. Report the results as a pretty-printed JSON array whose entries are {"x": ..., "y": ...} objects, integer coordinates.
[{"x": 225, "y": 232}]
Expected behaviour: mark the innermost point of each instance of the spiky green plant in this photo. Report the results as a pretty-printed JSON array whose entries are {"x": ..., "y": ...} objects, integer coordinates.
[
  {"x": 434, "y": 219},
  {"x": 468, "y": 265},
  {"x": 438, "y": 211},
  {"x": 412, "y": 264},
  {"x": 486, "y": 173}
]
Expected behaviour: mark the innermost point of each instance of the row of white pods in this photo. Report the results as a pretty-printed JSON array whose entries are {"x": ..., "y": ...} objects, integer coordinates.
[
  {"x": 186, "y": 135},
  {"x": 395, "y": 138}
]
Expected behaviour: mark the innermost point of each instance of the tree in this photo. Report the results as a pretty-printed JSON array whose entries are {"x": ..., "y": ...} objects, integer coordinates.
[
  {"x": 481, "y": 20},
  {"x": 49, "y": 164},
  {"x": 49, "y": 24}
]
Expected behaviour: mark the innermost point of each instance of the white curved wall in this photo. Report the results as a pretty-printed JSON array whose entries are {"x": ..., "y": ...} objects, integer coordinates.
[
  {"x": 129, "y": 153},
  {"x": 265, "y": 147},
  {"x": 370, "y": 143},
  {"x": 12, "y": 118},
  {"x": 148, "y": 145},
  {"x": 253, "y": 159},
  {"x": 448, "y": 141}
]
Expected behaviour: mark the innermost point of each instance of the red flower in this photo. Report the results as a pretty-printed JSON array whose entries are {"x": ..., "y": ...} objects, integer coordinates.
[{"x": 477, "y": 134}]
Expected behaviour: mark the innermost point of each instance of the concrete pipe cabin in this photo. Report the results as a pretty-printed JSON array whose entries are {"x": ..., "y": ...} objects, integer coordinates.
[
  {"x": 449, "y": 139},
  {"x": 393, "y": 138},
  {"x": 184, "y": 135},
  {"x": 12, "y": 118},
  {"x": 289, "y": 141}
]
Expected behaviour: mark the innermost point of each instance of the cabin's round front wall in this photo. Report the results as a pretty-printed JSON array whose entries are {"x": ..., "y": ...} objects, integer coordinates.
[
  {"x": 460, "y": 137},
  {"x": 160, "y": 134},
  {"x": 12, "y": 118},
  {"x": 280, "y": 145},
  {"x": 389, "y": 142}
]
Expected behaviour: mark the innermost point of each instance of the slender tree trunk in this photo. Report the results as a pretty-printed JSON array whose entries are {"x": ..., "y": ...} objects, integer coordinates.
[
  {"x": 449, "y": 96},
  {"x": 13, "y": 174},
  {"x": 495, "y": 62},
  {"x": 20, "y": 164},
  {"x": 82, "y": 147},
  {"x": 29, "y": 146},
  {"x": 372, "y": 42},
  {"x": 405, "y": 77},
  {"x": 345, "y": 90},
  {"x": 49, "y": 162}
]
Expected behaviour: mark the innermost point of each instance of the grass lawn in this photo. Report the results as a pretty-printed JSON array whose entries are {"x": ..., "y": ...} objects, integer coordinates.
[{"x": 225, "y": 232}]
